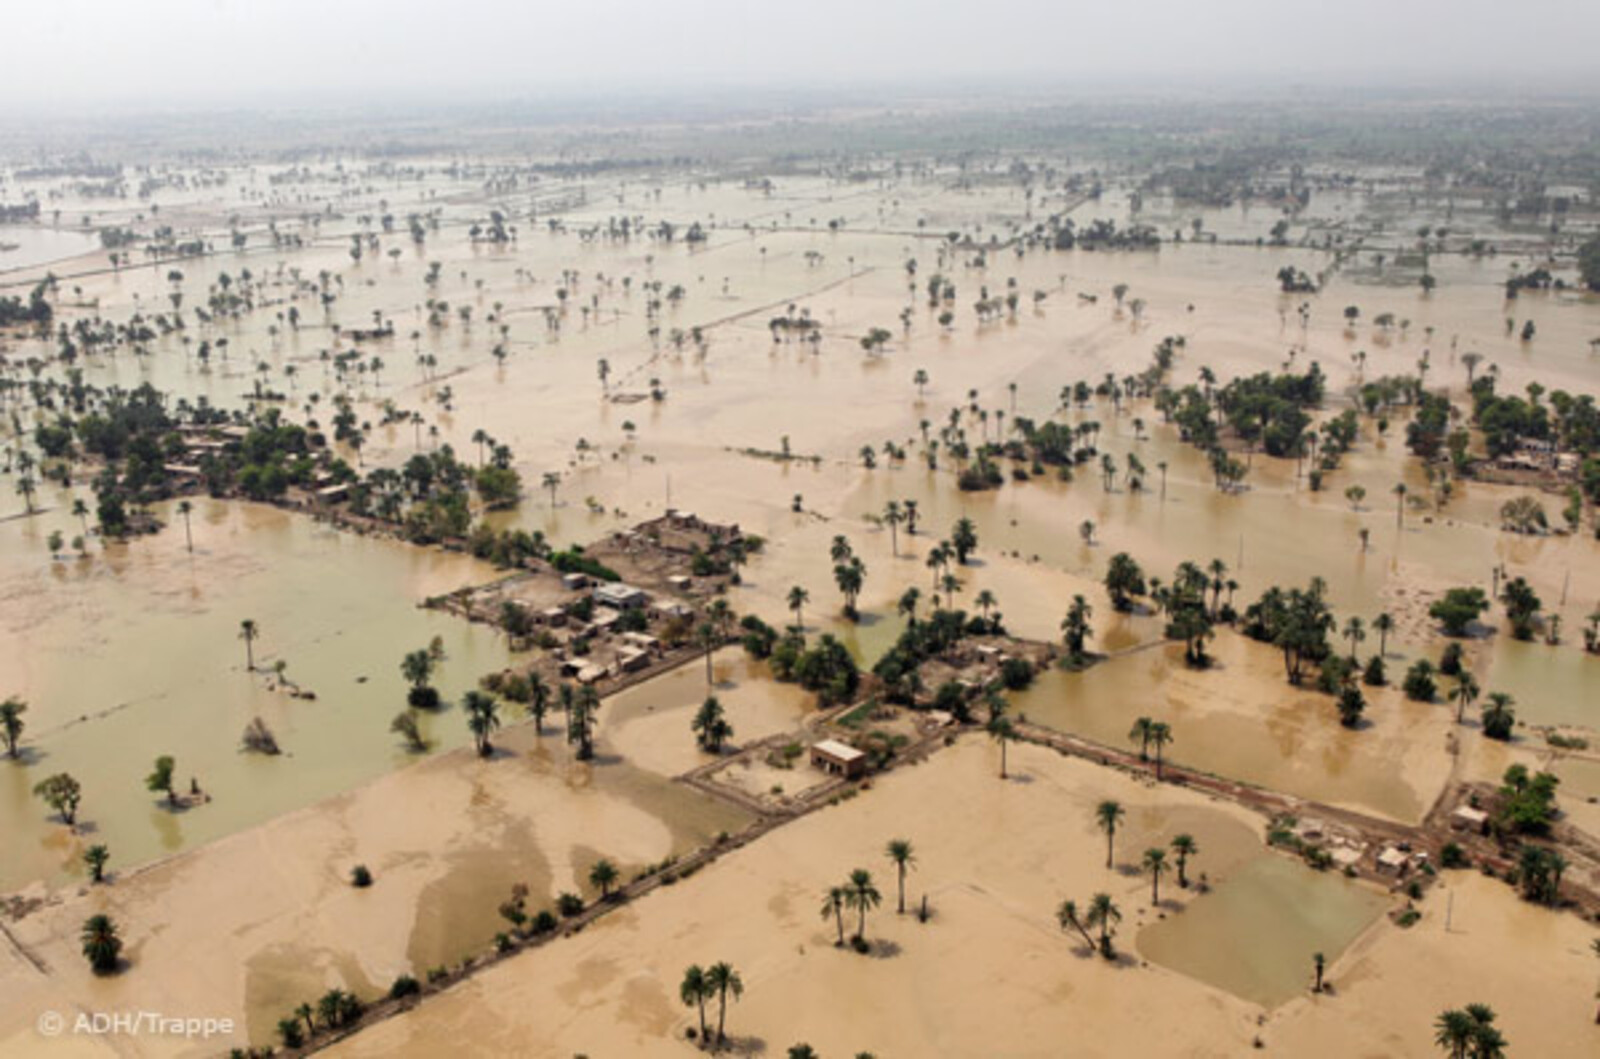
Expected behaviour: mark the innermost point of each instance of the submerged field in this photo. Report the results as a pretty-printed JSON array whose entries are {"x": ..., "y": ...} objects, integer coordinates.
[{"x": 629, "y": 375}]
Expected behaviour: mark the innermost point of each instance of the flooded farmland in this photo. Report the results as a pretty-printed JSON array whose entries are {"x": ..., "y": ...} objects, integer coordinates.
[{"x": 976, "y": 571}]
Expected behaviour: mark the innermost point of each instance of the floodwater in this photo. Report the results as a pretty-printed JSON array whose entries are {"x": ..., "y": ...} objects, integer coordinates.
[
  {"x": 1256, "y": 932},
  {"x": 1242, "y": 720},
  {"x": 35, "y": 247},
  {"x": 149, "y": 633},
  {"x": 133, "y": 652}
]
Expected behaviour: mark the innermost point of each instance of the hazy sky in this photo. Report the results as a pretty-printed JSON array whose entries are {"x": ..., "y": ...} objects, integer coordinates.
[{"x": 212, "y": 53}]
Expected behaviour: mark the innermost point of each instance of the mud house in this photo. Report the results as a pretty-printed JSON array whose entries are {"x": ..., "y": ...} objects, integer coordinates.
[
  {"x": 838, "y": 759},
  {"x": 620, "y": 597}
]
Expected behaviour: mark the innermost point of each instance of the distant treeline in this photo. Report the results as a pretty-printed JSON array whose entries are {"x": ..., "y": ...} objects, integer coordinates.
[{"x": 28, "y": 211}]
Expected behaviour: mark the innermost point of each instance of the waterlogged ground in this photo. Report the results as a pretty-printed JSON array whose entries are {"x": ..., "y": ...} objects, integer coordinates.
[
  {"x": 132, "y": 650},
  {"x": 1251, "y": 935},
  {"x": 765, "y": 252}
]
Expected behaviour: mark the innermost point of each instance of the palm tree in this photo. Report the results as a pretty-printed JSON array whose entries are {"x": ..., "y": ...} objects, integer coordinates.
[
  {"x": 1498, "y": 716},
  {"x": 538, "y": 701},
  {"x": 798, "y": 598},
  {"x": 1184, "y": 846},
  {"x": 305, "y": 1012},
  {"x": 1104, "y": 914},
  {"x": 1465, "y": 694},
  {"x": 1383, "y": 624},
  {"x": 862, "y": 894},
  {"x": 249, "y": 632},
  {"x": 11, "y": 723},
  {"x": 1155, "y": 863},
  {"x": 985, "y": 601},
  {"x": 706, "y": 633},
  {"x": 603, "y": 876},
  {"x": 1400, "y": 505},
  {"x": 1107, "y": 815},
  {"x": 483, "y": 717},
  {"x": 711, "y": 726},
  {"x": 723, "y": 979},
  {"x": 1067, "y": 916},
  {"x": 1001, "y": 731},
  {"x": 908, "y": 604},
  {"x": 80, "y": 510},
  {"x": 694, "y": 992},
  {"x": 101, "y": 946},
  {"x": 892, "y": 517},
  {"x": 834, "y": 903},
  {"x": 581, "y": 709},
  {"x": 1468, "y": 1032},
  {"x": 1355, "y": 631},
  {"x": 1160, "y": 736},
  {"x": 184, "y": 508},
  {"x": 900, "y": 853},
  {"x": 1140, "y": 733},
  {"x": 95, "y": 858}
]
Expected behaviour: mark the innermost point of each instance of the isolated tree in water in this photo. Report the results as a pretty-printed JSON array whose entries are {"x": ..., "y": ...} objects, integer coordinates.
[
  {"x": 711, "y": 726},
  {"x": 903, "y": 858},
  {"x": 1107, "y": 815},
  {"x": 249, "y": 632}
]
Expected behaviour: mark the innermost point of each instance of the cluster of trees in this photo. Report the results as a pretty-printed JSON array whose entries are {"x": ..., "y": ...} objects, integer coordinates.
[
  {"x": 859, "y": 894},
  {"x": 1184, "y": 604},
  {"x": 334, "y": 1010},
  {"x": 849, "y": 573},
  {"x": 35, "y": 311},
  {"x": 1271, "y": 409},
  {"x": 825, "y": 667},
  {"x": 920, "y": 640},
  {"x": 700, "y": 986},
  {"x": 428, "y": 495},
  {"x": 1101, "y": 914},
  {"x": 1469, "y": 1033}
]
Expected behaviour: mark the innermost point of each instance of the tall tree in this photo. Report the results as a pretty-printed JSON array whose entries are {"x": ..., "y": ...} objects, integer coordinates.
[
  {"x": 1155, "y": 866},
  {"x": 1160, "y": 736},
  {"x": 834, "y": 902},
  {"x": 483, "y": 718},
  {"x": 1104, "y": 915},
  {"x": 249, "y": 632},
  {"x": 12, "y": 724},
  {"x": 694, "y": 991},
  {"x": 1184, "y": 847},
  {"x": 1067, "y": 915},
  {"x": 1107, "y": 815},
  {"x": 798, "y": 598},
  {"x": 900, "y": 853},
  {"x": 724, "y": 980},
  {"x": 863, "y": 896},
  {"x": 1001, "y": 731},
  {"x": 185, "y": 508}
]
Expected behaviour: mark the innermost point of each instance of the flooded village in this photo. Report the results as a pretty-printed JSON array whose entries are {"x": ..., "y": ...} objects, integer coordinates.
[{"x": 964, "y": 578}]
